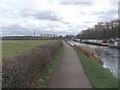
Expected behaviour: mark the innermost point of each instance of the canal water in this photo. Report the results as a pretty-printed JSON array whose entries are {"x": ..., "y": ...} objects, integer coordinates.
[{"x": 108, "y": 55}]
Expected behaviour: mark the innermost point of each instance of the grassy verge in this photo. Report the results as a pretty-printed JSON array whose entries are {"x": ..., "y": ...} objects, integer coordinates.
[
  {"x": 51, "y": 69},
  {"x": 98, "y": 76}
]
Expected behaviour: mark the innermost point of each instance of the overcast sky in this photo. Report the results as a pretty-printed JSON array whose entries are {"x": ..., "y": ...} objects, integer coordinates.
[{"x": 22, "y": 17}]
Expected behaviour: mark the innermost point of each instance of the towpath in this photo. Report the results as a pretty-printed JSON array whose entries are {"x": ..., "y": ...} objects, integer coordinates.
[{"x": 69, "y": 73}]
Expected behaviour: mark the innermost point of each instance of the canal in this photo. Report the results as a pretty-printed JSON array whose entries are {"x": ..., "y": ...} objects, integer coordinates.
[{"x": 108, "y": 55}]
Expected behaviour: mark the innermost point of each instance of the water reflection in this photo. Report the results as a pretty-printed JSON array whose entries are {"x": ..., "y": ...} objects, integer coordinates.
[{"x": 108, "y": 55}]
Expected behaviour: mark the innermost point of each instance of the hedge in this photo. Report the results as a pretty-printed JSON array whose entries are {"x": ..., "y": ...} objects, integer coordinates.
[{"x": 24, "y": 70}]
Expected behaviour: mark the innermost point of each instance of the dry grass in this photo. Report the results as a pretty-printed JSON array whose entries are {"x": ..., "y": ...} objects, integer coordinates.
[
  {"x": 24, "y": 70},
  {"x": 89, "y": 52}
]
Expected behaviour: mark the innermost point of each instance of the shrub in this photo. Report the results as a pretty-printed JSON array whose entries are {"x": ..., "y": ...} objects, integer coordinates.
[
  {"x": 89, "y": 52},
  {"x": 24, "y": 70}
]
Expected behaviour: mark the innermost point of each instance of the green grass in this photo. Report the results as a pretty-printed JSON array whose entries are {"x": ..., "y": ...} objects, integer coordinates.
[
  {"x": 51, "y": 69},
  {"x": 57, "y": 61},
  {"x": 98, "y": 76},
  {"x": 15, "y": 47}
]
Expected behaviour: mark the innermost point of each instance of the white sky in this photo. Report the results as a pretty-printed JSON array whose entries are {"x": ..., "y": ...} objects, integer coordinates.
[{"x": 21, "y": 17}]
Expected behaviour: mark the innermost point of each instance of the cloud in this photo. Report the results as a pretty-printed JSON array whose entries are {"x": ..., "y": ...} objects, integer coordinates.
[
  {"x": 47, "y": 15},
  {"x": 76, "y": 3},
  {"x": 108, "y": 15},
  {"x": 14, "y": 29},
  {"x": 27, "y": 12},
  {"x": 42, "y": 15},
  {"x": 19, "y": 17},
  {"x": 20, "y": 30}
]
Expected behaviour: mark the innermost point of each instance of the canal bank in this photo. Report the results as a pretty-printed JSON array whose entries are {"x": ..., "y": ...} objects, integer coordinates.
[
  {"x": 108, "y": 55},
  {"x": 98, "y": 76}
]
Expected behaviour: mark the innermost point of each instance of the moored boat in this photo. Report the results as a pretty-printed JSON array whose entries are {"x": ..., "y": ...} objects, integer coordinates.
[{"x": 113, "y": 44}]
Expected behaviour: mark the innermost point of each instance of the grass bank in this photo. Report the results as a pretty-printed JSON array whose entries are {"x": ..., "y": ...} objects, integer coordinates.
[
  {"x": 98, "y": 76},
  {"x": 51, "y": 69},
  {"x": 15, "y": 47}
]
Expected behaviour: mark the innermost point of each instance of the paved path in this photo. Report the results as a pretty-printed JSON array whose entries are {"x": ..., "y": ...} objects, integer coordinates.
[{"x": 69, "y": 73}]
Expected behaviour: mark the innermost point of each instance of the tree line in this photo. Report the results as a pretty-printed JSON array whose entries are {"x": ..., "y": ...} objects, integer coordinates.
[{"x": 107, "y": 30}]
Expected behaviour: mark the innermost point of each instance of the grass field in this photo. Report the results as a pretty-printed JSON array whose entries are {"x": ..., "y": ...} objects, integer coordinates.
[
  {"x": 15, "y": 47},
  {"x": 98, "y": 76}
]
